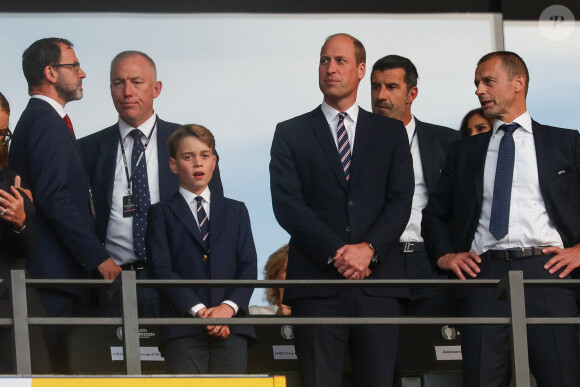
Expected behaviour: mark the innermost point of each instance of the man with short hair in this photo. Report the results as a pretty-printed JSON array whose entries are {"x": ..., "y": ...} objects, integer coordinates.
[
  {"x": 509, "y": 199},
  {"x": 128, "y": 166},
  {"x": 393, "y": 90},
  {"x": 46, "y": 155},
  {"x": 342, "y": 185}
]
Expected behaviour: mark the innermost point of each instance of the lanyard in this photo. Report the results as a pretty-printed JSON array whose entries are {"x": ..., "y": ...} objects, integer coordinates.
[{"x": 129, "y": 178}]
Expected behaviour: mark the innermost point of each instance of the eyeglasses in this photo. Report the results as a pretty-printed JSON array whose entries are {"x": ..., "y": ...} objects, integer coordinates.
[
  {"x": 75, "y": 65},
  {"x": 5, "y": 135}
]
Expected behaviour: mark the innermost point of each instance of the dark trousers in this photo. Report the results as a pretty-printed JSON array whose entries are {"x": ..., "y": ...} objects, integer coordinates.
[
  {"x": 553, "y": 349},
  {"x": 147, "y": 301},
  {"x": 424, "y": 301},
  {"x": 321, "y": 349},
  {"x": 205, "y": 355}
]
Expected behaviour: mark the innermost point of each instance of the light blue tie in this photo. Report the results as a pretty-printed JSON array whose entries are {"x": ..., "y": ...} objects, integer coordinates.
[{"x": 502, "y": 188}]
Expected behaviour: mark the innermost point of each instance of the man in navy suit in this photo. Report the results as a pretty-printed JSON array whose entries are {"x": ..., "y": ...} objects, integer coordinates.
[
  {"x": 393, "y": 90},
  {"x": 509, "y": 199},
  {"x": 342, "y": 186},
  {"x": 46, "y": 155},
  {"x": 198, "y": 234},
  {"x": 108, "y": 154}
]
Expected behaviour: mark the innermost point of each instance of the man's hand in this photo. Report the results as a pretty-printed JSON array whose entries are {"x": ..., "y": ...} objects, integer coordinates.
[
  {"x": 284, "y": 310},
  {"x": 12, "y": 207},
  {"x": 352, "y": 261},
  {"x": 220, "y": 311},
  {"x": 565, "y": 258},
  {"x": 109, "y": 269},
  {"x": 461, "y": 263}
]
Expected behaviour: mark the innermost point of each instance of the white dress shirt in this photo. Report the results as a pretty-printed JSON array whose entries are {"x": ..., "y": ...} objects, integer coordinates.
[
  {"x": 58, "y": 107},
  {"x": 412, "y": 232},
  {"x": 331, "y": 115},
  {"x": 190, "y": 200},
  {"x": 119, "y": 240},
  {"x": 529, "y": 223}
]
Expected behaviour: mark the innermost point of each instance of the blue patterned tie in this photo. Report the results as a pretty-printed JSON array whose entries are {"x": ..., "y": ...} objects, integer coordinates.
[
  {"x": 343, "y": 145},
  {"x": 141, "y": 193},
  {"x": 502, "y": 188},
  {"x": 203, "y": 223}
]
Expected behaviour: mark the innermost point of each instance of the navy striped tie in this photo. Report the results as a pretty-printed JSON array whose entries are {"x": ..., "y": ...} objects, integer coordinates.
[
  {"x": 343, "y": 145},
  {"x": 502, "y": 187},
  {"x": 203, "y": 222}
]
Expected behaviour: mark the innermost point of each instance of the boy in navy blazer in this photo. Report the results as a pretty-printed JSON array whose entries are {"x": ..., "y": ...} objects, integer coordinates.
[{"x": 197, "y": 234}]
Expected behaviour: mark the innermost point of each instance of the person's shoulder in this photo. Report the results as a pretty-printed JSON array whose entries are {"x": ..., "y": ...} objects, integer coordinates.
[
  {"x": 438, "y": 130},
  {"x": 302, "y": 117},
  {"x": 166, "y": 125},
  {"x": 553, "y": 129},
  {"x": 96, "y": 137}
]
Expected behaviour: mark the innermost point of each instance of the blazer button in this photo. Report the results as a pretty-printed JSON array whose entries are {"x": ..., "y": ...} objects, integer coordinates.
[
  {"x": 347, "y": 229},
  {"x": 350, "y": 202}
]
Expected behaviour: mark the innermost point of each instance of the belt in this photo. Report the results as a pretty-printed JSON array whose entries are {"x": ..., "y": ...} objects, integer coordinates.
[
  {"x": 410, "y": 247},
  {"x": 137, "y": 265},
  {"x": 515, "y": 253}
]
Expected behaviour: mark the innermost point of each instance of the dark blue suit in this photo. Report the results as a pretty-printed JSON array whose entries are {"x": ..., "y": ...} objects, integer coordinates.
[
  {"x": 449, "y": 224},
  {"x": 321, "y": 212},
  {"x": 175, "y": 251},
  {"x": 434, "y": 141},
  {"x": 46, "y": 155}
]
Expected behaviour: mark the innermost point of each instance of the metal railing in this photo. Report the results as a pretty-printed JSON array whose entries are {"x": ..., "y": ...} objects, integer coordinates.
[{"x": 511, "y": 288}]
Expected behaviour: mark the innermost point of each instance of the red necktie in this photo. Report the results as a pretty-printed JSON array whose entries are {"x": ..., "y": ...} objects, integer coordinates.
[{"x": 68, "y": 123}]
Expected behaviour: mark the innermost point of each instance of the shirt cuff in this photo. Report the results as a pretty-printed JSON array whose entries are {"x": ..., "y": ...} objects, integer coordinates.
[
  {"x": 232, "y": 304},
  {"x": 196, "y": 308}
]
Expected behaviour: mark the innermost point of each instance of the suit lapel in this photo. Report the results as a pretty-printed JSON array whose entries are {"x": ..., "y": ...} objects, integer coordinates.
[
  {"x": 322, "y": 132},
  {"x": 217, "y": 219},
  {"x": 363, "y": 138},
  {"x": 427, "y": 151},
  {"x": 108, "y": 147},
  {"x": 183, "y": 212},
  {"x": 544, "y": 154},
  {"x": 477, "y": 155},
  {"x": 165, "y": 173}
]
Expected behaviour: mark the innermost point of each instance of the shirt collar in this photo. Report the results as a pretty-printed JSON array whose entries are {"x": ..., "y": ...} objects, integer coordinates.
[
  {"x": 411, "y": 129},
  {"x": 524, "y": 121},
  {"x": 190, "y": 196},
  {"x": 330, "y": 113},
  {"x": 58, "y": 107},
  {"x": 146, "y": 127}
]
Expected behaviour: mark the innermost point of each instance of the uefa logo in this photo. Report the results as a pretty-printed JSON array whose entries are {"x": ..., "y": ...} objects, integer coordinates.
[
  {"x": 448, "y": 332},
  {"x": 287, "y": 332}
]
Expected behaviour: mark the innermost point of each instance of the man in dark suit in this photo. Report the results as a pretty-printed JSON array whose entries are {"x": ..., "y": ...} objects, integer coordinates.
[
  {"x": 393, "y": 90},
  {"x": 109, "y": 159},
  {"x": 344, "y": 200},
  {"x": 182, "y": 231},
  {"x": 503, "y": 198},
  {"x": 46, "y": 155}
]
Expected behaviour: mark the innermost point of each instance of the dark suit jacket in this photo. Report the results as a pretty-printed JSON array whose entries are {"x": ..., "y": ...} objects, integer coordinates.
[
  {"x": 46, "y": 155},
  {"x": 175, "y": 251},
  {"x": 434, "y": 142},
  {"x": 100, "y": 151},
  {"x": 321, "y": 212},
  {"x": 458, "y": 197}
]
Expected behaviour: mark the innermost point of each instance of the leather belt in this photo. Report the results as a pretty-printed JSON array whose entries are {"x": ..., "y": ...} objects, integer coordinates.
[
  {"x": 137, "y": 265},
  {"x": 515, "y": 253},
  {"x": 410, "y": 247}
]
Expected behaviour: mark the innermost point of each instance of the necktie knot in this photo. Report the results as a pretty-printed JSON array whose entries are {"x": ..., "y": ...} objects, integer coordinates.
[
  {"x": 342, "y": 116},
  {"x": 199, "y": 200},
  {"x": 509, "y": 128},
  {"x": 136, "y": 134}
]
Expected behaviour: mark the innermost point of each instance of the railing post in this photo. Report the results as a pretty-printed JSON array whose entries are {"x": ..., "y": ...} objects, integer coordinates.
[
  {"x": 130, "y": 322},
  {"x": 20, "y": 323},
  {"x": 513, "y": 286}
]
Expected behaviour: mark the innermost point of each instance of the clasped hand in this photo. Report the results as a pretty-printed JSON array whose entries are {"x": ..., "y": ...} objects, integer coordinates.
[{"x": 352, "y": 261}]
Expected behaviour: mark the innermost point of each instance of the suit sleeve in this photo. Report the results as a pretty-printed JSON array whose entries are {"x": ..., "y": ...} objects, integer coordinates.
[
  {"x": 437, "y": 215},
  {"x": 288, "y": 203},
  {"x": 385, "y": 233},
  {"x": 51, "y": 155},
  {"x": 246, "y": 261},
  {"x": 159, "y": 263}
]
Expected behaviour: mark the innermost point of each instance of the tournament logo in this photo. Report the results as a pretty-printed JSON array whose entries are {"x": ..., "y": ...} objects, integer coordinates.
[
  {"x": 448, "y": 332},
  {"x": 287, "y": 332}
]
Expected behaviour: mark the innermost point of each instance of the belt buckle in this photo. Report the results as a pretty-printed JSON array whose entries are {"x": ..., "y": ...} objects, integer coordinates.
[{"x": 408, "y": 247}]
